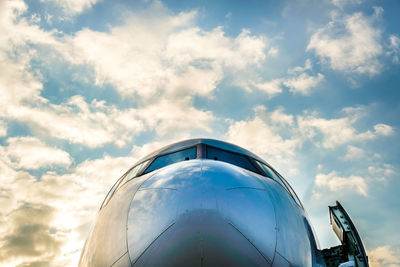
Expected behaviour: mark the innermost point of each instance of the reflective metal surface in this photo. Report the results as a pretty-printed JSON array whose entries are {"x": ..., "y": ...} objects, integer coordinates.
[
  {"x": 107, "y": 239},
  {"x": 202, "y": 212},
  {"x": 197, "y": 189}
]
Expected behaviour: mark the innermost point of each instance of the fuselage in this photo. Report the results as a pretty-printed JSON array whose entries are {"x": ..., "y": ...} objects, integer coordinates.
[{"x": 201, "y": 202}]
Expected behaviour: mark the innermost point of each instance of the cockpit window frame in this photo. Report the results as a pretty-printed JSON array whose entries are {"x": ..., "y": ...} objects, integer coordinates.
[
  {"x": 122, "y": 180},
  {"x": 145, "y": 171},
  {"x": 280, "y": 180},
  {"x": 292, "y": 192},
  {"x": 201, "y": 152},
  {"x": 112, "y": 191},
  {"x": 249, "y": 159}
]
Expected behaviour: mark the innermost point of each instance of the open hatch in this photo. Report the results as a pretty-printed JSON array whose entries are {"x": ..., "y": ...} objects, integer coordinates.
[{"x": 351, "y": 252}]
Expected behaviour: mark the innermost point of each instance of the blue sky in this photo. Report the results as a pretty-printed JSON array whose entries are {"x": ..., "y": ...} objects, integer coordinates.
[{"x": 88, "y": 87}]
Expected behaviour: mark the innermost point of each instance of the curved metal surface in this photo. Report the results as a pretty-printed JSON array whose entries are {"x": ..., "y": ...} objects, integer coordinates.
[
  {"x": 294, "y": 242},
  {"x": 107, "y": 239},
  {"x": 201, "y": 212},
  {"x": 199, "y": 188},
  {"x": 201, "y": 238}
]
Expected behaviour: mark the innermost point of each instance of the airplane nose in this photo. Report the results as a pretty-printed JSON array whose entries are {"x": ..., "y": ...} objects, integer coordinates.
[{"x": 202, "y": 212}]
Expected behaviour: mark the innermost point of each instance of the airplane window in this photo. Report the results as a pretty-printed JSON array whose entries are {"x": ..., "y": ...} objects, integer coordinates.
[
  {"x": 135, "y": 171},
  {"x": 171, "y": 158},
  {"x": 270, "y": 173},
  {"x": 294, "y": 195},
  {"x": 232, "y": 158},
  {"x": 124, "y": 178},
  {"x": 111, "y": 192}
]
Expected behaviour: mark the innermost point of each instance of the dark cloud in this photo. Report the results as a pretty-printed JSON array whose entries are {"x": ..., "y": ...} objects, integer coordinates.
[{"x": 31, "y": 235}]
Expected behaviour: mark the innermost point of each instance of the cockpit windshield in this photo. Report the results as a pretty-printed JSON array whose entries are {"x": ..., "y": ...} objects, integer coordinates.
[
  {"x": 199, "y": 150},
  {"x": 162, "y": 161},
  {"x": 232, "y": 158}
]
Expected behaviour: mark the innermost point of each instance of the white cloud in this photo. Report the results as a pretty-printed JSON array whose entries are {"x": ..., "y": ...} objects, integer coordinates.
[
  {"x": 394, "y": 48},
  {"x": 383, "y": 129},
  {"x": 154, "y": 61},
  {"x": 273, "y": 52},
  {"x": 335, "y": 183},
  {"x": 164, "y": 54},
  {"x": 385, "y": 256},
  {"x": 272, "y": 88},
  {"x": 262, "y": 135},
  {"x": 299, "y": 81},
  {"x": 279, "y": 117},
  {"x": 350, "y": 44},
  {"x": 277, "y": 135},
  {"x": 96, "y": 124},
  {"x": 17, "y": 82},
  {"x": 60, "y": 208},
  {"x": 307, "y": 67},
  {"x": 354, "y": 152},
  {"x": 91, "y": 124},
  {"x": 382, "y": 173},
  {"x": 74, "y": 6},
  {"x": 176, "y": 118},
  {"x": 139, "y": 152},
  {"x": 334, "y": 132},
  {"x": 303, "y": 83},
  {"x": 31, "y": 153},
  {"x": 342, "y": 3}
]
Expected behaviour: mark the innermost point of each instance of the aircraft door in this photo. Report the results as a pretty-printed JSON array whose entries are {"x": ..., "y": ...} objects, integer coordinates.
[{"x": 351, "y": 252}]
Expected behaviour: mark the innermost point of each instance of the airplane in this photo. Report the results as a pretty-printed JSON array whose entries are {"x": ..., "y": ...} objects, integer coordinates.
[{"x": 205, "y": 202}]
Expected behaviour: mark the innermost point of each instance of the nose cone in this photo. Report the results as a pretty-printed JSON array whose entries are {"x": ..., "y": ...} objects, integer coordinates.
[{"x": 202, "y": 212}]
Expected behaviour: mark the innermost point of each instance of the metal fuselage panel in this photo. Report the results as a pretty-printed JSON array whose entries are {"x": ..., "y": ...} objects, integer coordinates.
[
  {"x": 201, "y": 212},
  {"x": 106, "y": 242},
  {"x": 240, "y": 202}
]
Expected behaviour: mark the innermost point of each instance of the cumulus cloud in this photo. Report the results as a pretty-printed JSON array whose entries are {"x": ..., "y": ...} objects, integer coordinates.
[
  {"x": 383, "y": 129},
  {"x": 31, "y": 238},
  {"x": 350, "y": 44},
  {"x": 354, "y": 152},
  {"x": 167, "y": 117},
  {"x": 303, "y": 83},
  {"x": 394, "y": 48},
  {"x": 77, "y": 121},
  {"x": 300, "y": 80},
  {"x": 59, "y": 207},
  {"x": 154, "y": 61},
  {"x": 17, "y": 82},
  {"x": 263, "y": 135},
  {"x": 74, "y": 7},
  {"x": 382, "y": 173},
  {"x": 335, "y": 183},
  {"x": 273, "y": 52},
  {"x": 74, "y": 120},
  {"x": 31, "y": 153},
  {"x": 342, "y": 3},
  {"x": 336, "y": 131},
  {"x": 164, "y": 54},
  {"x": 384, "y": 256},
  {"x": 299, "y": 69},
  {"x": 95, "y": 124},
  {"x": 272, "y": 88},
  {"x": 277, "y": 135}
]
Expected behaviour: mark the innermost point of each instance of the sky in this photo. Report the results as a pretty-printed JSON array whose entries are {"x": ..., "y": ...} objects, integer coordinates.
[{"x": 87, "y": 87}]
